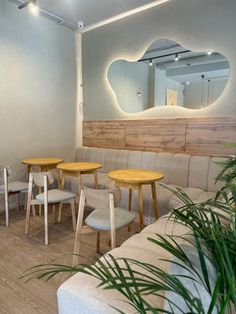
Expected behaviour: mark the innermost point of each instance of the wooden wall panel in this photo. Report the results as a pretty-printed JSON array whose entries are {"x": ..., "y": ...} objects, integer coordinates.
[
  {"x": 107, "y": 134},
  {"x": 210, "y": 138},
  {"x": 205, "y": 136},
  {"x": 153, "y": 138}
]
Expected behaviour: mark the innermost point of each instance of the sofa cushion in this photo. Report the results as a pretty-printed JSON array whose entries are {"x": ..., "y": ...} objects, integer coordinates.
[
  {"x": 179, "y": 170},
  {"x": 110, "y": 159},
  {"x": 195, "y": 194},
  {"x": 198, "y": 172},
  {"x": 80, "y": 294},
  {"x": 166, "y": 226},
  {"x": 214, "y": 170},
  {"x": 148, "y": 160},
  {"x": 121, "y": 159},
  {"x": 163, "y": 164},
  {"x": 163, "y": 197},
  {"x": 135, "y": 159},
  {"x": 192, "y": 193}
]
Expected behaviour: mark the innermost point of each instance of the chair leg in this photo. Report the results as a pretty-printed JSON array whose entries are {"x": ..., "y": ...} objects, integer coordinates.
[
  {"x": 54, "y": 213},
  {"x": 59, "y": 213},
  {"x": 46, "y": 209},
  {"x": 98, "y": 241},
  {"x": 27, "y": 220},
  {"x": 112, "y": 221},
  {"x": 46, "y": 223},
  {"x": 6, "y": 195},
  {"x": 73, "y": 214},
  {"x": 29, "y": 197},
  {"x": 18, "y": 201},
  {"x": 25, "y": 201},
  {"x": 79, "y": 228},
  {"x": 7, "y": 209}
]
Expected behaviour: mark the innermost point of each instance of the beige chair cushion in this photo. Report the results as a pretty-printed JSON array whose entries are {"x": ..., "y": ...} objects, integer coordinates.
[
  {"x": 99, "y": 219},
  {"x": 16, "y": 186},
  {"x": 56, "y": 196}
]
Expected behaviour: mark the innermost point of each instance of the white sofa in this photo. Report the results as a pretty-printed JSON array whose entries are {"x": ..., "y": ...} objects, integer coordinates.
[
  {"x": 81, "y": 295},
  {"x": 195, "y": 174}
]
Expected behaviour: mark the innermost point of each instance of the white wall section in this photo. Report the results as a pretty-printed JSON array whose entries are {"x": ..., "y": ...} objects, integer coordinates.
[{"x": 37, "y": 88}]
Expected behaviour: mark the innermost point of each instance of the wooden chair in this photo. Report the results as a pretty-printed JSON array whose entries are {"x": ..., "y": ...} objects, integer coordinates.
[
  {"x": 10, "y": 188},
  {"x": 53, "y": 196},
  {"x": 105, "y": 217}
]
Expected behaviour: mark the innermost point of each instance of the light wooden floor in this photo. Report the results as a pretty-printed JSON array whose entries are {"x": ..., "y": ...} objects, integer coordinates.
[{"x": 19, "y": 252}]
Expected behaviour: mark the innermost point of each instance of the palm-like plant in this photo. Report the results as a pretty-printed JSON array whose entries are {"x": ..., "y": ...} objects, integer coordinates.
[{"x": 212, "y": 237}]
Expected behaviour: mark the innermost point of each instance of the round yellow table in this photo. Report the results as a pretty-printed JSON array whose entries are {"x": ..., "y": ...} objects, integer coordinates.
[
  {"x": 76, "y": 169},
  {"x": 44, "y": 163},
  {"x": 134, "y": 179}
]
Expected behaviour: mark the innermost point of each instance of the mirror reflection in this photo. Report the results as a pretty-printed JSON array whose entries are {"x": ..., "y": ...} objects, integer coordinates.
[{"x": 169, "y": 75}]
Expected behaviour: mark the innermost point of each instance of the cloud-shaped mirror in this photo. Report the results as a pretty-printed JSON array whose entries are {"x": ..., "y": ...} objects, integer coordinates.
[{"x": 169, "y": 75}]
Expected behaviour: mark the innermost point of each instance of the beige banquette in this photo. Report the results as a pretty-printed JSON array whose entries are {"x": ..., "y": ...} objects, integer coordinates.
[{"x": 195, "y": 174}]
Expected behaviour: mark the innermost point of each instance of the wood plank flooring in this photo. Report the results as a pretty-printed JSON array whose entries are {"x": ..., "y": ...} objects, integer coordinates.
[{"x": 19, "y": 252}]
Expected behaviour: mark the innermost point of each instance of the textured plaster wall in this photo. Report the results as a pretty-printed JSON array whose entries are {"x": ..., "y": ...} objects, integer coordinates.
[
  {"x": 196, "y": 24},
  {"x": 37, "y": 88}
]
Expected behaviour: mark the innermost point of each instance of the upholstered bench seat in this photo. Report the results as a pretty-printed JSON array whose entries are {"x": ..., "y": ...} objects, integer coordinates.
[{"x": 194, "y": 174}]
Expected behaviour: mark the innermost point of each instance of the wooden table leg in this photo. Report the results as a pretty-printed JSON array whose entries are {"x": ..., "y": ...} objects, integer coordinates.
[
  {"x": 96, "y": 179},
  {"x": 79, "y": 184},
  {"x": 154, "y": 199},
  {"x": 58, "y": 179},
  {"x": 62, "y": 180},
  {"x": 140, "y": 204},
  {"x": 129, "y": 204}
]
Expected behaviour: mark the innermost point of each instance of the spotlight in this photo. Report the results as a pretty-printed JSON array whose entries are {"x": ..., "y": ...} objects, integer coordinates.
[
  {"x": 24, "y": 4},
  {"x": 33, "y": 8},
  {"x": 150, "y": 62},
  {"x": 176, "y": 57},
  {"x": 209, "y": 53}
]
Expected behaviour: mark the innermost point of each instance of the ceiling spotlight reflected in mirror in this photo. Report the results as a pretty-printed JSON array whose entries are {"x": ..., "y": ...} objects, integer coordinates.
[{"x": 176, "y": 69}]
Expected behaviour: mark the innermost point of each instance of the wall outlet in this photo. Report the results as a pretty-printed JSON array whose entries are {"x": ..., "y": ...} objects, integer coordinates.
[{"x": 148, "y": 220}]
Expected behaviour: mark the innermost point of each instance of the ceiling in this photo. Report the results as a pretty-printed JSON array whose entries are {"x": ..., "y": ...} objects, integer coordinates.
[
  {"x": 190, "y": 66},
  {"x": 90, "y": 11}
]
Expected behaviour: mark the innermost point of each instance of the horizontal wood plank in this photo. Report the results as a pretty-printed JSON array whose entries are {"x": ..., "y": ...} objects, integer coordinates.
[
  {"x": 203, "y": 135},
  {"x": 157, "y": 137},
  {"x": 104, "y": 134},
  {"x": 210, "y": 138}
]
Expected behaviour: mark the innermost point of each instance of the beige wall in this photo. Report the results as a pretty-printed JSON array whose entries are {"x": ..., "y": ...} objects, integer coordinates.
[
  {"x": 196, "y": 24},
  {"x": 37, "y": 87}
]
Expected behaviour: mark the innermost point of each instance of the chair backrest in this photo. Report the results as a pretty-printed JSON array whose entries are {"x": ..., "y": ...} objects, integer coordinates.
[
  {"x": 99, "y": 198},
  {"x": 38, "y": 178},
  {"x": 8, "y": 169}
]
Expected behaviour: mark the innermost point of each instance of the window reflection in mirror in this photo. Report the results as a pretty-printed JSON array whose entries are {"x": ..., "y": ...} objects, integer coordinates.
[{"x": 169, "y": 75}]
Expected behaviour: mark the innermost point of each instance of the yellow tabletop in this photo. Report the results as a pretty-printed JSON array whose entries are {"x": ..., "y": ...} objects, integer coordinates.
[
  {"x": 79, "y": 166},
  {"x": 47, "y": 161},
  {"x": 137, "y": 176}
]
